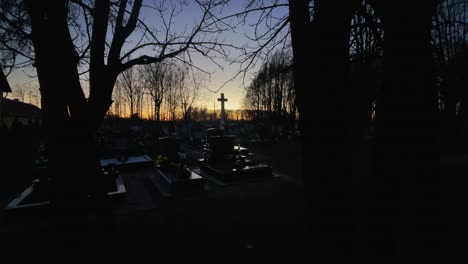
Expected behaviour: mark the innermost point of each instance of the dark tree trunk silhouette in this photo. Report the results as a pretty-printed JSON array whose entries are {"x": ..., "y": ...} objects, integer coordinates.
[
  {"x": 70, "y": 120},
  {"x": 158, "y": 79},
  {"x": 405, "y": 188},
  {"x": 323, "y": 123}
]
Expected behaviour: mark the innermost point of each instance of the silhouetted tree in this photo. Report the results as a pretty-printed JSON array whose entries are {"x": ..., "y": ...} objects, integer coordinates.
[
  {"x": 158, "y": 79},
  {"x": 366, "y": 57},
  {"x": 450, "y": 42},
  {"x": 20, "y": 92},
  {"x": 407, "y": 158},
  {"x": 270, "y": 96},
  {"x": 118, "y": 98},
  {"x": 67, "y": 38},
  {"x": 172, "y": 101},
  {"x": 188, "y": 84},
  {"x": 323, "y": 44},
  {"x": 129, "y": 83}
]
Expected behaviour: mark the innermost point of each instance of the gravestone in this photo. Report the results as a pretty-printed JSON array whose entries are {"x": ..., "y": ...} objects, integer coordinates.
[
  {"x": 168, "y": 147},
  {"x": 211, "y": 132},
  {"x": 171, "y": 176},
  {"x": 119, "y": 146},
  {"x": 221, "y": 148},
  {"x": 177, "y": 180},
  {"x": 229, "y": 163}
]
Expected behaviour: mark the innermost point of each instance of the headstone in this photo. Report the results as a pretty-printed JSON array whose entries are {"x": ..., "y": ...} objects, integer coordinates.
[
  {"x": 211, "y": 132},
  {"x": 119, "y": 147},
  {"x": 168, "y": 147},
  {"x": 226, "y": 162},
  {"x": 221, "y": 147},
  {"x": 177, "y": 180}
]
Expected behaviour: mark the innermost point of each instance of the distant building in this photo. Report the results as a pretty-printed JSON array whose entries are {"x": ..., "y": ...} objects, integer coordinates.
[{"x": 16, "y": 111}]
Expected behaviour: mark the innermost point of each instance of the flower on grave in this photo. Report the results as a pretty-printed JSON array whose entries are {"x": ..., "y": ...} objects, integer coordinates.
[{"x": 162, "y": 160}]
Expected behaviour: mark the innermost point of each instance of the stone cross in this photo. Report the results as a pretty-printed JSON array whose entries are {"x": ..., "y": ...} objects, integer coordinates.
[{"x": 222, "y": 100}]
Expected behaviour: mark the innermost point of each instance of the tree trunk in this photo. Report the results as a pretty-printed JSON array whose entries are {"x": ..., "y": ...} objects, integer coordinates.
[
  {"x": 70, "y": 120},
  {"x": 156, "y": 116},
  {"x": 405, "y": 189},
  {"x": 323, "y": 122},
  {"x": 158, "y": 120}
]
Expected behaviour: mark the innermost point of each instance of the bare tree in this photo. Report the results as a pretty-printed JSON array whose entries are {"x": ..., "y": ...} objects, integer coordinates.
[
  {"x": 20, "y": 92},
  {"x": 270, "y": 96},
  {"x": 366, "y": 58},
  {"x": 139, "y": 95},
  {"x": 117, "y": 98},
  {"x": 158, "y": 80},
  {"x": 172, "y": 101},
  {"x": 66, "y": 40},
  {"x": 189, "y": 85},
  {"x": 15, "y": 26},
  {"x": 450, "y": 43},
  {"x": 366, "y": 37},
  {"x": 128, "y": 81},
  {"x": 33, "y": 97}
]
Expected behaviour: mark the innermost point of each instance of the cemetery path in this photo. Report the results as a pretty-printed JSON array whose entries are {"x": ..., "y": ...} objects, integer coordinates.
[
  {"x": 264, "y": 216},
  {"x": 137, "y": 196}
]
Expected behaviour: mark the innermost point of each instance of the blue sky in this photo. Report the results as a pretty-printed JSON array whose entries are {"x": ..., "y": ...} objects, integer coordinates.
[{"x": 184, "y": 21}]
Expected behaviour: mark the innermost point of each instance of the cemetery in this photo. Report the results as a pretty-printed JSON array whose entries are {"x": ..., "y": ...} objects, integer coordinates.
[
  {"x": 228, "y": 162},
  {"x": 172, "y": 176},
  {"x": 152, "y": 174},
  {"x": 135, "y": 131}
]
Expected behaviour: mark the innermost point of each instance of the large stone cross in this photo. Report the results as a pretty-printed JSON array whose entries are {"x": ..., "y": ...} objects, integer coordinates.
[{"x": 222, "y": 100}]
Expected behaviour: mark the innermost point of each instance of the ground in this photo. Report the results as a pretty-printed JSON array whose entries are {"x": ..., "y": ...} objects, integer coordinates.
[
  {"x": 264, "y": 217},
  {"x": 260, "y": 217},
  {"x": 284, "y": 157}
]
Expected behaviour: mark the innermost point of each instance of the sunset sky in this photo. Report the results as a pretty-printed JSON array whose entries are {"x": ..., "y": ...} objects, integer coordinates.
[{"x": 185, "y": 20}]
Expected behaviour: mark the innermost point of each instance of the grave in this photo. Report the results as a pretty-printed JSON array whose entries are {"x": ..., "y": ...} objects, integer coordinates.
[
  {"x": 226, "y": 163},
  {"x": 116, "y": 185},
  {"x": 172, "y": 177},
  {"x": 210, "y": 132},
  {"x": 167, "y": 147},
  {"x": 128, "y": 162},
  {"x": 177, "y": 180},
  {"x": 36, "y": 196}
]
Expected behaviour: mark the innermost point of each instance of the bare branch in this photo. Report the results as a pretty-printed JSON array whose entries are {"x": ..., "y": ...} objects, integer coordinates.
[{"x": 84, "y": 6}]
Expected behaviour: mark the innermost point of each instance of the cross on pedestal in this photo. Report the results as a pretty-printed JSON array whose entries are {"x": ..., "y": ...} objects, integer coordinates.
[{"x": 222, "y": 100}]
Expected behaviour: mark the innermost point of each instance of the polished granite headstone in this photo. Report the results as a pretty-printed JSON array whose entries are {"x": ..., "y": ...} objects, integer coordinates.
[{"x": 227, "y": 162}]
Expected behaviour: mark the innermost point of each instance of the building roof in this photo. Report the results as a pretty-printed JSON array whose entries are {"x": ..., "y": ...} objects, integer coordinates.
[
  {"x": 4, "y": 86},
  {"x": 17, "y": 108}
]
